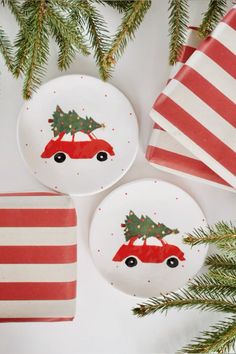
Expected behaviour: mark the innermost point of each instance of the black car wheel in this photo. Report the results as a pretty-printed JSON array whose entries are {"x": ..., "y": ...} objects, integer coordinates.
[
  {"x": 172, "y": 262},
  {"x": 102, "y": 156},
  {"x": 131, "y": 262},
  {"x": 60, "y": 157}
]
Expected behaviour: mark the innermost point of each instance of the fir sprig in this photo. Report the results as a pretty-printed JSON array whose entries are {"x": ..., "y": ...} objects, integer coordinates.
[
  {"x": 96, "y": 29},
  {"x": 213, "y": 291},
  {"x": 131, "y": 20},
  {"x": 178, "y": 22},
  {"x": 6, "y": 49},
  {"x": 212, "y": 16}
]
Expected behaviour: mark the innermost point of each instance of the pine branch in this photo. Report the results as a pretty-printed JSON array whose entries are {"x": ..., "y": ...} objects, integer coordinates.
[
  {"x": 220, "y": 338},
  {"x": 35, "y": 47},
  {"x": 178, "y": 22},
  {"x": 217, "y": 261},
  {"x": 67, "y": 36},
  {"x": 212, "y": 16},
  {"x": 221, "y": 234},
  {"x": 6, "y": 50},
  {"x": 186, "y": 300},
  {"x": 130, "y": 22},
  {"x": 205, "y": 284},
  {"x": 97, "y": 32}
]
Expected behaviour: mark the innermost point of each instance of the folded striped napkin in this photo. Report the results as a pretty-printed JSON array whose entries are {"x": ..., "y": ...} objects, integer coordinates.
[
  {"x": 197, "y": 109},
  {"x": 37, "y": 257}
]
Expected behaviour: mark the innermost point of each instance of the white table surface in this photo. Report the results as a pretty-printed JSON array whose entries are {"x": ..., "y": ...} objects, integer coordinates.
[{"x": 104, "y": 322}]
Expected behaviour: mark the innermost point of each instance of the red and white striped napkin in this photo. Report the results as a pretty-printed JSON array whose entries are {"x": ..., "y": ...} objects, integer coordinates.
[
  {"x": 197, "y": 108},
  {"x": 37, "y": 257}
]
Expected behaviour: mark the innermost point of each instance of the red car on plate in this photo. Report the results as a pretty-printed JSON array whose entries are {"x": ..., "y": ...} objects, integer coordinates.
[
  {"x": 60, "y": 149},
  {"x": 131, "y": 253}
]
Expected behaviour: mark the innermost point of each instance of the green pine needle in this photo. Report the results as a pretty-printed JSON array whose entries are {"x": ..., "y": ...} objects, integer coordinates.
[
  {"x": 178, "y": 22},
  {"x": 212, "y": 16}
]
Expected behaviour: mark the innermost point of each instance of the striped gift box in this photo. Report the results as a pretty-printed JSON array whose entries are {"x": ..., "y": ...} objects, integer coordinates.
[
  {"x": 197, "y": 108},
  {"x": 37, "y": 257}
]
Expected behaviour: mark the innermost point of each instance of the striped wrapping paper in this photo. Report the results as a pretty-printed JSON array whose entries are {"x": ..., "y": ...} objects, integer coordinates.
[
  {"x": 37, "y": 257},
  {"x": 197, "y": 108},
  {"x": 166, "y": 153}
]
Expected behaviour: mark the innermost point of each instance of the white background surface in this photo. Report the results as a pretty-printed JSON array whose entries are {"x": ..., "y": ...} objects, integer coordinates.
[{"x": 104, "y": 322}]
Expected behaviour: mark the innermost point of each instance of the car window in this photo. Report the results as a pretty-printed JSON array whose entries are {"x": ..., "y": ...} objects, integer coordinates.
[
  {"x": 154, "y": 241},
  {"x": 78, "y": 137}
]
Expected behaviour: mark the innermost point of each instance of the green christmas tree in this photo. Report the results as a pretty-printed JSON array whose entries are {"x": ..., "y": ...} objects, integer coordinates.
[
  {"x": 144, "y": 227},
  {"x": 71, "y": 123}
]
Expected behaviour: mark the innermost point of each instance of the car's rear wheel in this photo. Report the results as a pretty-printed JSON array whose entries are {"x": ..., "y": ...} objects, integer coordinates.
[
  {"x": 60, "y": 157},
  {"x": 131, "y": 262},
  {"x": 102, "y": 156},
  {"x": 172, "y": 262}
]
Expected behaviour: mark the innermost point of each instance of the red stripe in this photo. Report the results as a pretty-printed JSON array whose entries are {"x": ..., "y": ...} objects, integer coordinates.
[
  {"x": 37, "y": 217},
  {"x": 196, "y": 132},
  {"x": 36, "y": 319},
  {"x": 38, "y": 254},
  {"x": 230, "y": 19},
  {"x": 29, "y": 194},
  {"x": 157, "y": 126},
  {"x": 220, "y": 55},
  {"x": 38, "y": 291},
  {"x": 186, "y": 52},
  {"x": 208, "y": 93},
  {"x": 182, "y": 163}
]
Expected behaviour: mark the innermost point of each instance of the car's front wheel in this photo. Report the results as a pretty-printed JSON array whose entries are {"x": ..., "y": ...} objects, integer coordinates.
[
  {"x": 172, "y": 262},
  {"x": 131, "y": 262},
  {"x": 60, "y": 157},
  {"x": 102, "y": 156}
]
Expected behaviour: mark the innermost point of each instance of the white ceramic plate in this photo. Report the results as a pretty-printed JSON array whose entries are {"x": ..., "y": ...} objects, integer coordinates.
[
  {"x": 90, "y": 163},
  {"x": 156, "y": 267}
]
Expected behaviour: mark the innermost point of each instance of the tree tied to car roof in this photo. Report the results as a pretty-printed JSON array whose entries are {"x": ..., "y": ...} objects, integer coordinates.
[
  {"x": 72, "y": 123},
  {"x": 144, "y": 227}
]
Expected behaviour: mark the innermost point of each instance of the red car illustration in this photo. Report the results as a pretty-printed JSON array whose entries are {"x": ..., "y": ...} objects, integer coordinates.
[
  {"x": 59, "y": 149},
  {"x": 149, "y": 254}
]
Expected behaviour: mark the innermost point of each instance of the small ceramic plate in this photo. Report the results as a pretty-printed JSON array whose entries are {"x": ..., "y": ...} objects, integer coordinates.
[
  {"x": 136, "y": 238},
  {"x": 78, "y": 134}
]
